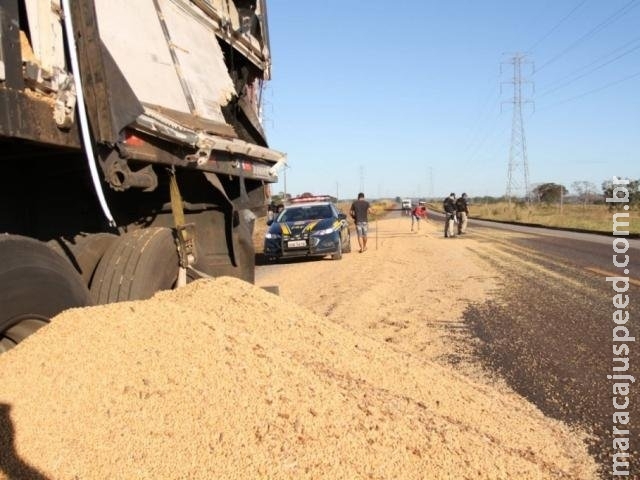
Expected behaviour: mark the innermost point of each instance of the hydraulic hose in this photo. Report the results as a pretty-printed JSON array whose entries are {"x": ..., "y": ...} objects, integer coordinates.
[{"x": 82, "y": 112}]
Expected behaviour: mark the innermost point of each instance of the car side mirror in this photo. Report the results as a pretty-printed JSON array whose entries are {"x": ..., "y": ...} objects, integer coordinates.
[
  {"x": 342, "y": 216},
  {"x": 270, "y": 221}
]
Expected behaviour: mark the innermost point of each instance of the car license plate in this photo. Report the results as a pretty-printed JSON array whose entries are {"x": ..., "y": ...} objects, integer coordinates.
[{"x": 297, "y": 243}]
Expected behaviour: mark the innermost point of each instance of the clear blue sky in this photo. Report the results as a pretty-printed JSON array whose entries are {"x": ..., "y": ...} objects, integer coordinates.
[{"x": 408, "y": 97}]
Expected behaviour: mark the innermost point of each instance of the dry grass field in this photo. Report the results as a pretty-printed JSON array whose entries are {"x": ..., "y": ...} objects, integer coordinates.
[{"x": 585, "y": 217}]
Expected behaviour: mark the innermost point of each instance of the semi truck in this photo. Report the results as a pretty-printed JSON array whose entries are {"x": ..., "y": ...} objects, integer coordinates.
[
  {"x": 406, "y": 206},
  {"x": 132, "y": 150}
]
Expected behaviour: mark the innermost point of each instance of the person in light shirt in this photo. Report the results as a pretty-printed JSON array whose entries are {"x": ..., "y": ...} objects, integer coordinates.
[{"x": 462, "y": 212}]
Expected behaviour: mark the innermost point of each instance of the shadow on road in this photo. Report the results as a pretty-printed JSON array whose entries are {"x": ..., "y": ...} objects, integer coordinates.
[
  {"x": 399, "y": 234},
  {"x": 261, "y": 259},
  {"x": 10, "y": 463}
]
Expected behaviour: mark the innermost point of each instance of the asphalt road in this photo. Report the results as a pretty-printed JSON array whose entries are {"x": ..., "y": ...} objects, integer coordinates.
[{"x": 549, "y": 331}]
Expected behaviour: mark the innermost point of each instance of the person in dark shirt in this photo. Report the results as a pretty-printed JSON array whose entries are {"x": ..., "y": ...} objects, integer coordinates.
[
  {"x": 462, "y": 213},
  {"x": 449, "y": 207},
  {"x": 360, "y": 210}
]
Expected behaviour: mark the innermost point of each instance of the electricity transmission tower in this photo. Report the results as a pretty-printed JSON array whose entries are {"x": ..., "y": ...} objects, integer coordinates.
[{"x": 518, "y": 171}]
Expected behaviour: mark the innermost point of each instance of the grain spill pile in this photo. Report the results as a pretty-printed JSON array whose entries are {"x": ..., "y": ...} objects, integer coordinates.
[{"x": 224, "y": 380}]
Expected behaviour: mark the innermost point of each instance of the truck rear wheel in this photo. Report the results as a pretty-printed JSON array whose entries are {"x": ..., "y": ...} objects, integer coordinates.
[
  {"x": 85, "y": 251},
  {"x": 36, "y": 284},
  {"x": 136, "y": 265}
]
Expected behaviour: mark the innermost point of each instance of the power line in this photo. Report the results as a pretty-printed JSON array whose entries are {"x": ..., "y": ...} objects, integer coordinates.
[
  {"x": 595, "y": 90},
  {"x": 482, "y": 119},
  {"x": 555, "y": 27},
  {"x": 492, "y": 153},
  {"x": 491, "y": 132},
  {"x": 573, "y": 80},
  {"x": 570, "y": 78},
  {"x": 609, "y": 20}
]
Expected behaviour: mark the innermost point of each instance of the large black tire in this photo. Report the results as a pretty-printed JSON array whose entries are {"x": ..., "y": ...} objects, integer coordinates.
[
  {"x": 85, "y": 251},
  {"x": 136, "y": 265},
  {"x": 36, "y": 284}
]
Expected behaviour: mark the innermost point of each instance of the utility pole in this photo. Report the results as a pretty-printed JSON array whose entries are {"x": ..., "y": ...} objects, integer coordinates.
[
  {"x": 518, "y": 170},
  {"x": 284, "y": 177},
  {"x": 431, "y": 182}
]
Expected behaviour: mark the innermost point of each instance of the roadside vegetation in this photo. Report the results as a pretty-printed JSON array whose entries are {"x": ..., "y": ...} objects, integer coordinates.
[
  {"x": 582, "y": 207},
  {"x": 573, "y": 216},
  {"x": 378, "y": 207}
]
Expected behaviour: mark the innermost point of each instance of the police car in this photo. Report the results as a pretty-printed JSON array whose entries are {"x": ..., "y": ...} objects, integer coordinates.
[{"x": 308, "y": 226}]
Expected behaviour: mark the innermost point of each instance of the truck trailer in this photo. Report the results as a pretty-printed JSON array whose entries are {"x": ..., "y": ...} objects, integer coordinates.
[{"x": 132, "y": 150}]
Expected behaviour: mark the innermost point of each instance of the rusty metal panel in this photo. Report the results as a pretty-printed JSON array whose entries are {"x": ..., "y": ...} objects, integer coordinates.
[
  {"x": 30, "y": 118},
  {"x": 10, "y": 55}
]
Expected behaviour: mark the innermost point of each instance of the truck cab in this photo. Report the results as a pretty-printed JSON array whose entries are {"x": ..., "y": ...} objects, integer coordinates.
[{"x": 406, "y": 206}]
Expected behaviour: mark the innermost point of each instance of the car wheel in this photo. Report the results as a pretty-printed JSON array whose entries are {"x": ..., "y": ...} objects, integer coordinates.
[
  {"x": 338, "y": 254},
  {"x": 347, "y": 246}
]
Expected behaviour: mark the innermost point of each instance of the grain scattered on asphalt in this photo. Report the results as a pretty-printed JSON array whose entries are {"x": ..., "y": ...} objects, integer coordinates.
[{"x": 221, "y": 379}]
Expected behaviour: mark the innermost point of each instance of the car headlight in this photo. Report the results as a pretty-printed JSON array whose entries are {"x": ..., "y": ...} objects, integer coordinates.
[
  {"x": 326, "y": 231},
  {"x": 272, "y": 236}
]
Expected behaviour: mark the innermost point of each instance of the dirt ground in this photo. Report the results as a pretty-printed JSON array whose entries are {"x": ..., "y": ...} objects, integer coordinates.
[
  {"x": 360, "y": 368},
  {"x": 408, "y": 289}
]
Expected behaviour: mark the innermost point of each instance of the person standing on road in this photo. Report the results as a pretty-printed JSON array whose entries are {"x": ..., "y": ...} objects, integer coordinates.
[
  {"x": 462, "y": 212},
  {"x": 271, "y": 211},
  {"x": 360, "y": 210},
  {"x": 449, "y": 207},
  {"x": 417, "y": 214}
]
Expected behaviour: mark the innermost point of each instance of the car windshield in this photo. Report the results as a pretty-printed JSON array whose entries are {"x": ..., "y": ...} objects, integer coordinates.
[{"x": 306, "y": 213}]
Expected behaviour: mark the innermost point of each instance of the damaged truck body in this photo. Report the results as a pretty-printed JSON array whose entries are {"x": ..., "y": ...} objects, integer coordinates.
[{"x": 132, "y": 150}]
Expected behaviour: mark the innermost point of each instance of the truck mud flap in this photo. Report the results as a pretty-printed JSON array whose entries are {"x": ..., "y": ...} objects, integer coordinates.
[{"x": 213, "y": 179}]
